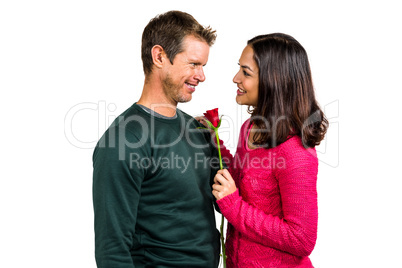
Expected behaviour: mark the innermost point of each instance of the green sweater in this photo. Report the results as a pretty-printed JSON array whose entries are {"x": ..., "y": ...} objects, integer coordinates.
[{"x": 152, "y": 194}]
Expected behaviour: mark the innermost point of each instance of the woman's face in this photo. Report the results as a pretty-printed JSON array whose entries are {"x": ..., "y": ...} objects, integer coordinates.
[{"x": 247, "y": 79}]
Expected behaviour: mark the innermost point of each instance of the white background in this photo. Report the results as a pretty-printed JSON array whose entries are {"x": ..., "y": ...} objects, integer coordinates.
[{"x": 67, "y": 68}]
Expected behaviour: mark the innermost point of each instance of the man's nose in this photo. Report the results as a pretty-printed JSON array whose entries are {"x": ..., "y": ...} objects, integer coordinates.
[{"x": 200, "y": 76}]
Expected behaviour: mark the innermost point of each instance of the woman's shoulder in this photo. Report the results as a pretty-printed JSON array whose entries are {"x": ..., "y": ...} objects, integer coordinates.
[
  {"x": 246, "y": 124},
  {"x": 293, "y": 148},
  {"x": 244, "y": 131}
]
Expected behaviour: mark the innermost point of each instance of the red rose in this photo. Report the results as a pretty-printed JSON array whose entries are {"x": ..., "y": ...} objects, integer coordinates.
[{"x": 212, "y": 116}]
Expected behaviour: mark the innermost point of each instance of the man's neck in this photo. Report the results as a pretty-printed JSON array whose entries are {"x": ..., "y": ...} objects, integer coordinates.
[{"x": 155, "y": 99}]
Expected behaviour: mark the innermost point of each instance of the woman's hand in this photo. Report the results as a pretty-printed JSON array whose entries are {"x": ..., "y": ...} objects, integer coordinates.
[
  {"x": 224, "y": 184},
  {"x": 201, "y": 119}
]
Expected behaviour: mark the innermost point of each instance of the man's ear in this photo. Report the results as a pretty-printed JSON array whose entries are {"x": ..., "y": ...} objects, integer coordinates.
[{"x": 158, "y": 56}]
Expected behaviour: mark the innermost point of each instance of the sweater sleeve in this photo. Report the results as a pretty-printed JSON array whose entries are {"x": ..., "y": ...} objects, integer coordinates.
[
  {"x": 116, "y": 193},
  {"x": 296, "y": 232},
  {"x": 227, "y": 157},
  {"x": 226, "y": 161}
]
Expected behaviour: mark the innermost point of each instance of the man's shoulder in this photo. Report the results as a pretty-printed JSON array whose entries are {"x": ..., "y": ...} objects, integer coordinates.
[
  {"x": 188, "y": 118},
  {"x": 129, "y": 123},
  {"x": 133, "y": 120},
  {"x": 185, "y": 115}
]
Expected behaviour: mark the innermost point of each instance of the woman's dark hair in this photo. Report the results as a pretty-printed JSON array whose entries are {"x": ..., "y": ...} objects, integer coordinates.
[
  {"x": 168, "y": 30},
  {"x": 286, "y": 100}
]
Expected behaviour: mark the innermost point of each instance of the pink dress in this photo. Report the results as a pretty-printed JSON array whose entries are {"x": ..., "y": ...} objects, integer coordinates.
[{"x": 273, "y": 214}]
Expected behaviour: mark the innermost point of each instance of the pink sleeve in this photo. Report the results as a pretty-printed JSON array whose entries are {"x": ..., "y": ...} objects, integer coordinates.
[
  {"x": 227, "y": 156},
  {"x": 225, "y": 153},
  {"x": 229, "y": 160},
  {"x": 296, "y": 232}
]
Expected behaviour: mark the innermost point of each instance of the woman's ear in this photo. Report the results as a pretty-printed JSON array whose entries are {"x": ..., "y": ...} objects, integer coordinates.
[{"x": 158, "y": 56}]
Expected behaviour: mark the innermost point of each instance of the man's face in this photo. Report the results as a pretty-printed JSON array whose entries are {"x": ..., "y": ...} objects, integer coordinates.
[{"x": 186, "y": 72}]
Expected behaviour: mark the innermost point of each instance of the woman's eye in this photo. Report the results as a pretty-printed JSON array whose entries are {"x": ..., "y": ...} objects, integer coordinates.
[{"x": 245, "y": 73}]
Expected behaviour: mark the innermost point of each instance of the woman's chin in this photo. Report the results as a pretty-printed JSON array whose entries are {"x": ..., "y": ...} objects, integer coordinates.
[{"x": 240, "y": 101}]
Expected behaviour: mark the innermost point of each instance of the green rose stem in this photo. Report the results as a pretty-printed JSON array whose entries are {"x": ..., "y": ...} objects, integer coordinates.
[
  {"x": 223, "y": 218},
  {"x": 219, "y": 148},
  {"x": 221, "y": 167}
]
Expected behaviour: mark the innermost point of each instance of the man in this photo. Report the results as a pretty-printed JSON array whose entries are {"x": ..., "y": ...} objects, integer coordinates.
[{"x": 153, "y": 168}]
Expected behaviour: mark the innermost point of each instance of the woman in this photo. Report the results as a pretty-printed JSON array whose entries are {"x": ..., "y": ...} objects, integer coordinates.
[{"x": 269, "y": 193}]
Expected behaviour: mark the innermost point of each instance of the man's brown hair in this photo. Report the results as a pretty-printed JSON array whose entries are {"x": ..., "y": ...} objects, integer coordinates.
[{"x": 168, "y": 30}]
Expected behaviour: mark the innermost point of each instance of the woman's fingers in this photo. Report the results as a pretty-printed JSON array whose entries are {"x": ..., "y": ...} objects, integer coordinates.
[
  {"x": 220, "y": 179},
  {"x": 217, "y": 187},
  {"x": 225, "y": 173},
  {"x": 224, "y": 184}
]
